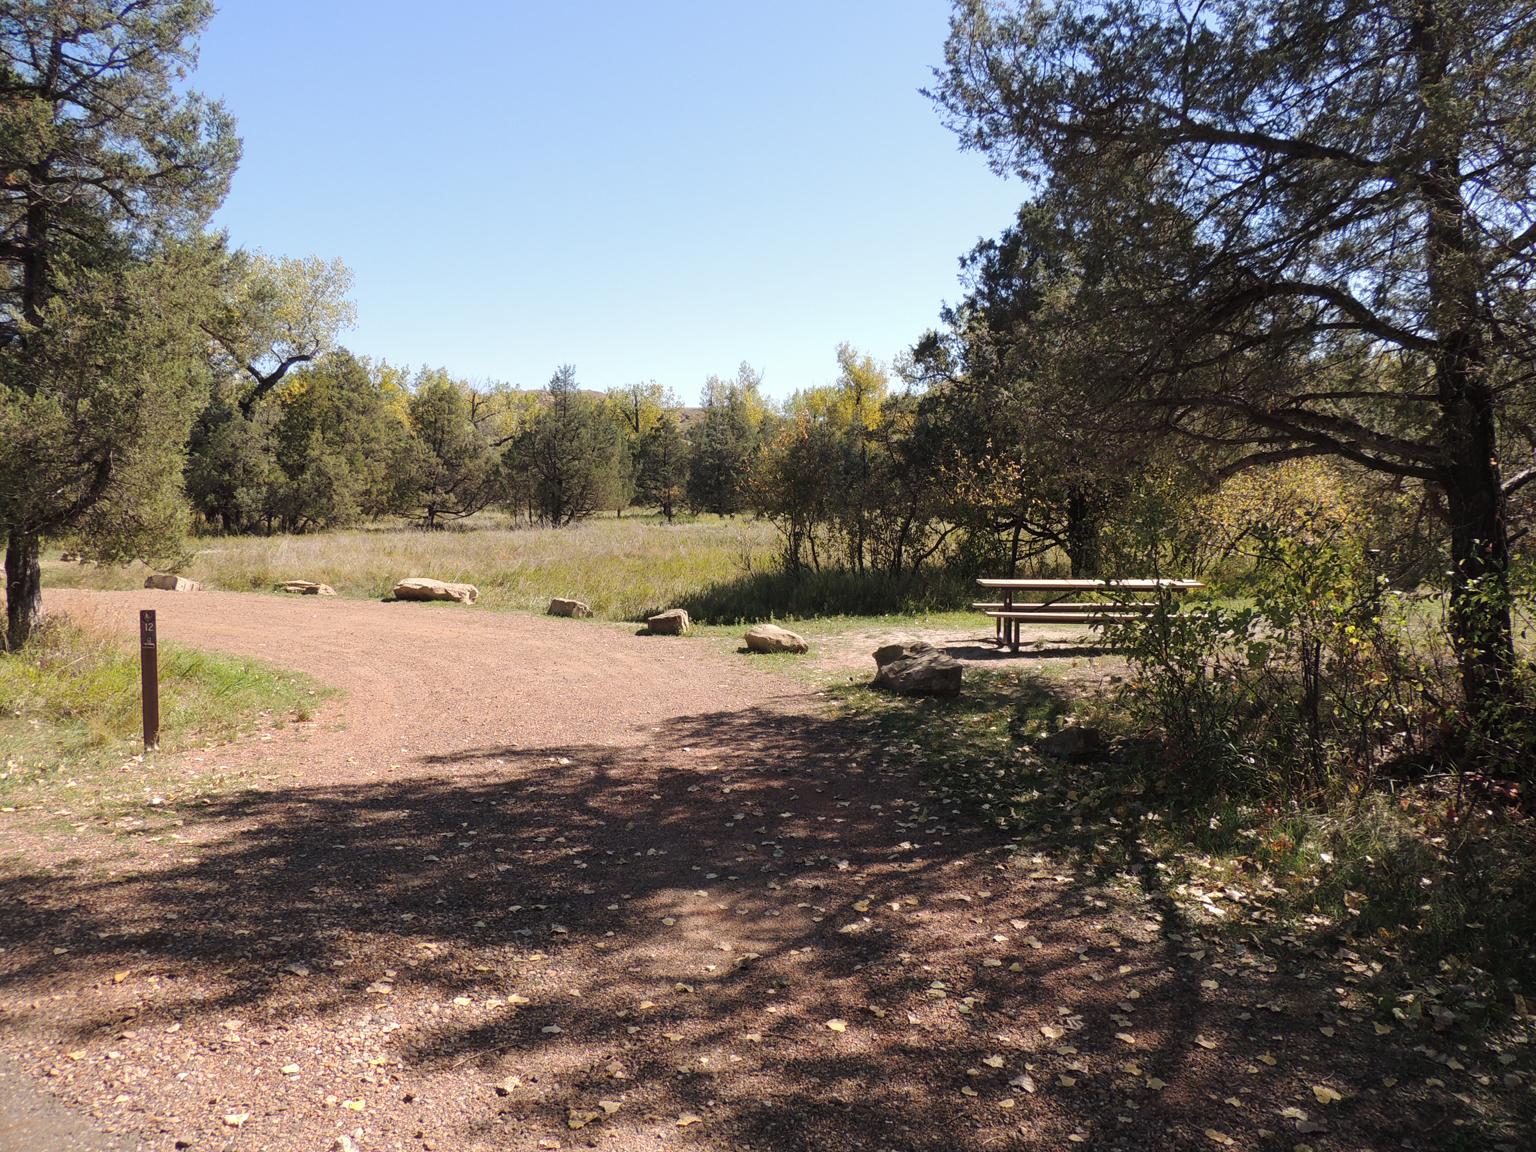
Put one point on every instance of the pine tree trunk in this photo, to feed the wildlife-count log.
(23, 590)
(1083, 524)
(1480, 611)
(1480, 620)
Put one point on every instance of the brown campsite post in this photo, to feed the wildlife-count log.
(149, 678)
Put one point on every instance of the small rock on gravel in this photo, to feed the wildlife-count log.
(772, 638)
(672, 622)
(423, 588)
(561, 606)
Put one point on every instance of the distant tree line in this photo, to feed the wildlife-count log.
(342, 439)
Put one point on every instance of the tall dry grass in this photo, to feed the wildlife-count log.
(623, 568)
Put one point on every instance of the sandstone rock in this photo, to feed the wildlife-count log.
(306, 588)
(167, 582)
(560, 606)
(917, 669)
(422, 588)
(1073, 742)
(772, 638)
(672, 622)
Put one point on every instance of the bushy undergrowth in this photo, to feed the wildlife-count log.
(1323, 679)
(72, 701)
(1428, 876)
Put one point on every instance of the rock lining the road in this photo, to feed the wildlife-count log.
(305, 588)
(425, 588)
(672, 622)
(769, 638)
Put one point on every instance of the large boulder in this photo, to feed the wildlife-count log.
(305, 588)
(421, 588)
(916, 668)
(560, 606)
(169, 582)
(772, 638)
(672, 622)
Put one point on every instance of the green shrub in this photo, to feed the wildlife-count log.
(1309, 689)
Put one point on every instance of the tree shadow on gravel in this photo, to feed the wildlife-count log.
(755, 919)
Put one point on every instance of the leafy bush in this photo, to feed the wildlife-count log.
(1308, 689)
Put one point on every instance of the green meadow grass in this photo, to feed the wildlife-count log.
(71, 703)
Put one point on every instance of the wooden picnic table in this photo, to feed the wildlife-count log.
(1058, 607)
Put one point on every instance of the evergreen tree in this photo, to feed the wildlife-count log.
(723, 443)
(1310, 192)
(571, 453)
(454, 471)
(661, 465)
(105, 160)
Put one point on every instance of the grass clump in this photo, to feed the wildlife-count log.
(72, 702)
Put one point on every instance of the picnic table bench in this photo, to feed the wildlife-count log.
(1116, 601)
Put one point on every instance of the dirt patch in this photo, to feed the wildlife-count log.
(431, 679)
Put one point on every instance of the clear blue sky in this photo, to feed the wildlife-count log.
(649, 190)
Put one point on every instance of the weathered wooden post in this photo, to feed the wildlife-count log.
(149, 678)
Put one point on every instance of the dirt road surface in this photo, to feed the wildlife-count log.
(537, 884)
